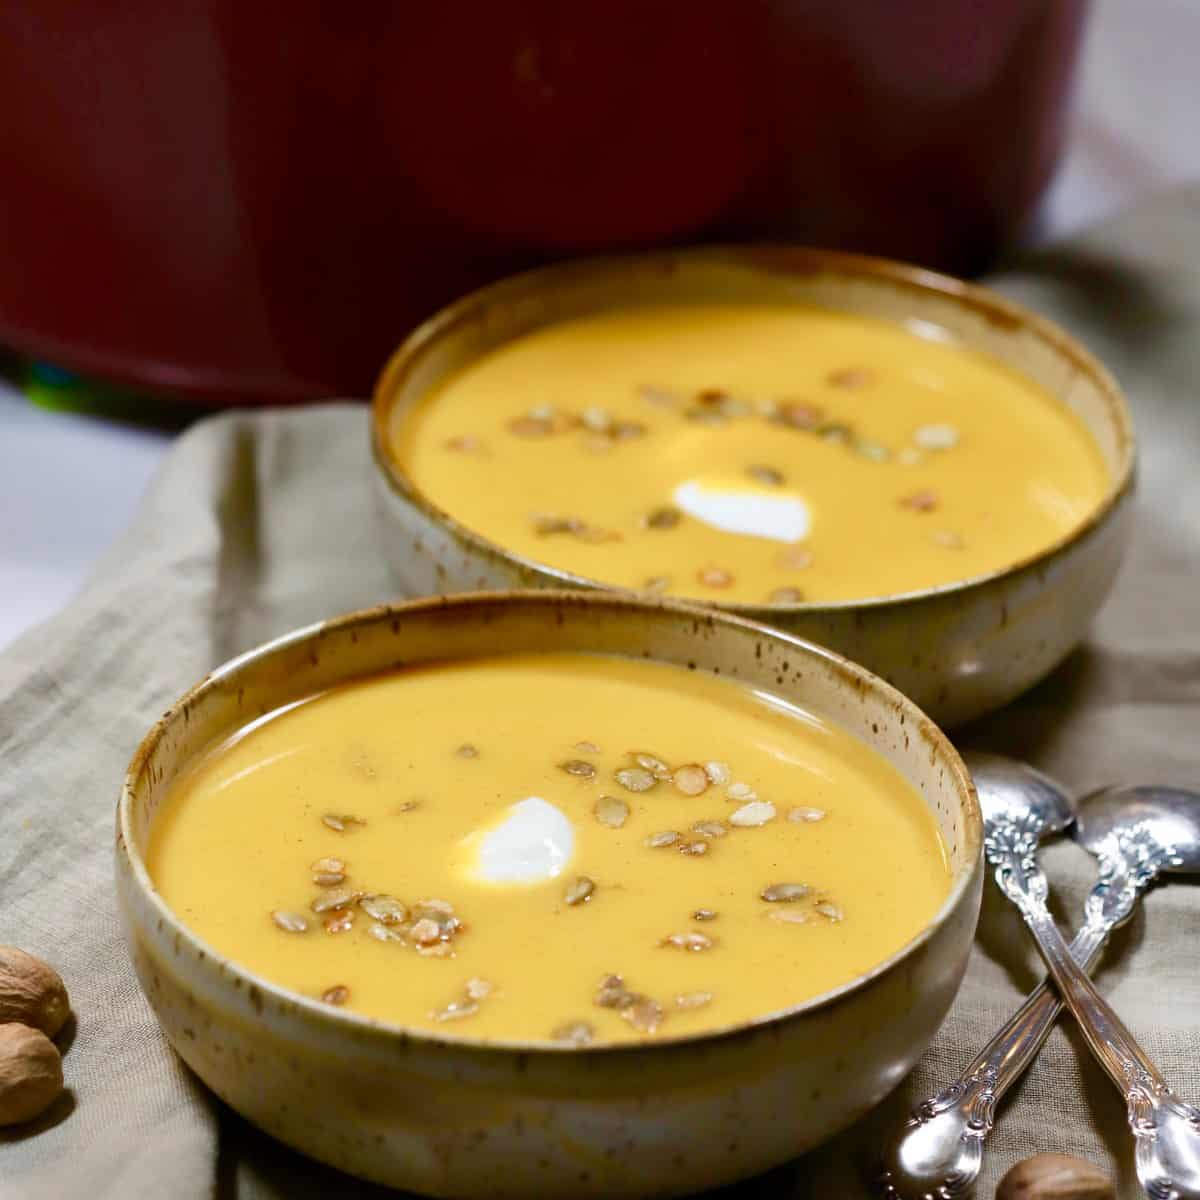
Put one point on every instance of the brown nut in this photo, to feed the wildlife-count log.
(31, 1074)
(1055, 1177)
(31, 992)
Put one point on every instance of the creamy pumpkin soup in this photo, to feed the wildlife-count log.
(752, 453)
(564, 847)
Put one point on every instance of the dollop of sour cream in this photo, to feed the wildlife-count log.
(534, 842)
(760, 512)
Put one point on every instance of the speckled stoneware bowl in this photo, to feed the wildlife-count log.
(958, 650)
(451, 1116)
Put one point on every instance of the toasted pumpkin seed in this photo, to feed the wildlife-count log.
(611, 992)
(666, 517)
(668, 837)
(334, 898)
(710, 829)
(785, 893)
(384, 933)
(644, 1014)
(579, 891)
(802, 815)
(587, 747)
(757, 812)
(322, 865)
(611, 811)
(289, 922)
(691, 941)
(328, 878)
(690, 780)
(573, 1033)
(578, 767)
(741, 791)
(704, 914)
(651, 763)
(694, 847)
(693, 999)
(336, 995)
(425, 932)
(830, 911)
(432, 904)
(385, 909)
(635, 779)
(717, 772)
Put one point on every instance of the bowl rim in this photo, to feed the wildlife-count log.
(767, 257)
(314, 1012)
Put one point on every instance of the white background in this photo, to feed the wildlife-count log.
(69, 484)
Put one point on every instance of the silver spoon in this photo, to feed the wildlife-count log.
(938, 1154)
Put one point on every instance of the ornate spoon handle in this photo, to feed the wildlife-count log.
(1166, 1131)
(939, 1152)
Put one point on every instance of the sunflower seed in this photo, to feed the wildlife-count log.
(587, 747)
(656, 583)
(336, 995)
(574, 1033)
(786, 595)
(334, 898)
(830, 911)
(579, 891)
(690, 780)
(611, 992)
(425, 932)
(383, 933)
(741, 791)
(611, 811)
(710, 829)
(801, 815)
(704, 914)
(785, 893)
(765, 475)
(662, 518)
(579, 768)
(795, 558)
(635, 779)
(340, 921)
(659, 397)
(478, 989)
(456, 1010)
(922, 501)
(331, 865)
(693, 847)
(757, 812)
(328, 878)
(530, 426)
(289, 922)
(656, 841)
(651, 763)
(947, 538)
(385, 909)
(692, 942)
(717, 772)
(850, 377)
(693, 999)
(714, 577)
(644, 1014)
(936, 437)
(789, 916)
(466, 750)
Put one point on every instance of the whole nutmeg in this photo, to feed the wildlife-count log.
(1055, 1177)
(31, 992)
(31, 1074)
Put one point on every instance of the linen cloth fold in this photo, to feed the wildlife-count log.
(260, 522)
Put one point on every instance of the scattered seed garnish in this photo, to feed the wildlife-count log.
(795, 558)
(478, 989)
(289, 922)
(657, 583)
(657, 396)
(579, 768)
(611, 811)
(334, 898)
(644, 1014)
(711, 829)
(789, 916)
(850, 377)
(466, 750)
(765, 475)
(579, 891)
(922, 501)
(652, 763)
(691, 779)
(336, 995)
(339, 823)
(323, 865)
(936, 437)
(757, 812)
(797, 416)
(385, 909)
(741, 791)
(785, 893)
(465, 443)
(456, 1010)
(587, 747)
(717, 772)
(704, 914)
(530, 426)
(635, 779)
(385, 934)
(714, 577)
(872, 450)
(433, 905)
(574, 1033)
(786, 595)
(339, 921)
(830, 911)
(691, 941)
(668, 837)
(693, 847)
(802, 815)
(328, 878)
(947, 538)
(693, 999)
(611, 992)
(662, 518)
(425, 932)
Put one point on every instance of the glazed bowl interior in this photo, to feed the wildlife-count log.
(307, 1057)
(926, 303)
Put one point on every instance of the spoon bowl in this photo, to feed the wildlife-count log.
(1164, 820)
(1012, 791)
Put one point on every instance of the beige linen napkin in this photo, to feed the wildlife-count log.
(262, 522)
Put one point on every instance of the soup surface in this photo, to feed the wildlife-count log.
(752, 453)
(551, 847)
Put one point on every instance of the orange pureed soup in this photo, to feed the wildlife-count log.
(559, 847)
(754, 453)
